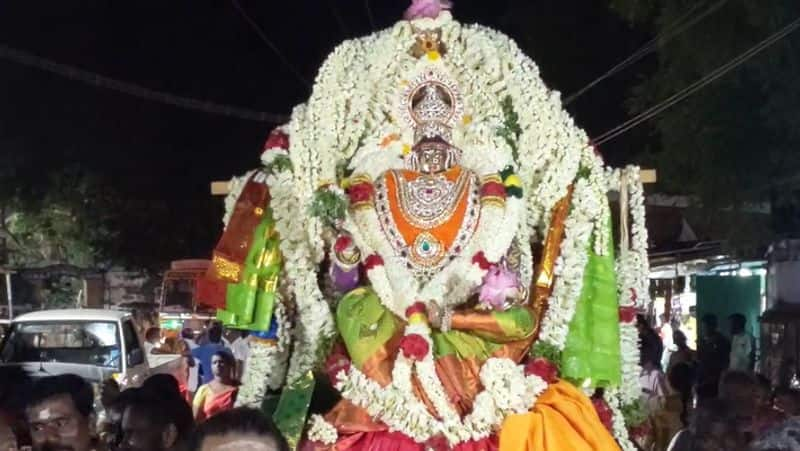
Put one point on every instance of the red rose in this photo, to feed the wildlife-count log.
(372, 261)
(361, 192)
(627, 314)
(277, 139)
(342, 243)
(604, 412)
(437, 443)
(417, 307)
(542, 368)
(414, 346)
(481, 261)
(493, 189)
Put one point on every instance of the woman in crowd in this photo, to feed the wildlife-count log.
(218, 395)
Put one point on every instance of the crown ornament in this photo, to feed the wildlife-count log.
(431, 105)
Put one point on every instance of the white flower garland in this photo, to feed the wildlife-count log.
(571, 264)
(395, 284)
(266, 366)
(314, 321)
(321, 431)
(632, 277)
(507, 391)
(620, 430)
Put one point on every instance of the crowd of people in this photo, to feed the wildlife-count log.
(712, 398)
(194, 411)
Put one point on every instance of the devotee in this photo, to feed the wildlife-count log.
(785, 437)
(742, 346)
(220, 393)
(683, 353)
(14, 391)
(153, 423)
(110, 431)
(713, 351)
(193, 381)
(241, 351)
(163, 386)
(203, 353)
(713, 428)
(650, 346)
(59, 414)
(238, 429)
(653, 384)
(151, 338)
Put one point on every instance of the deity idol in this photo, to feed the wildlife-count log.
(432, 232)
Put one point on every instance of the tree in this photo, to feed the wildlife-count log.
(732, 145)
(61, 220)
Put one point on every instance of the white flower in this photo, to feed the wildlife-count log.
(321, 431)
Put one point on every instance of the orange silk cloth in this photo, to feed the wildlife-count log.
(213, 404)
(563, 419)
(231, 250)
(445, 233)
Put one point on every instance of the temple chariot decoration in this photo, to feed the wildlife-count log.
(432, 232)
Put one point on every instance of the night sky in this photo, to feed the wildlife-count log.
(203, 49)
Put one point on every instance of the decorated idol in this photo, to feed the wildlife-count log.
(432, 232)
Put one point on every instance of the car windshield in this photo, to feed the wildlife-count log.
(82, 342)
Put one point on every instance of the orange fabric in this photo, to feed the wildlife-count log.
(460, 380)
(216, 403)
(445, 233)
(379, 366)
(545, 274)
(563, 419)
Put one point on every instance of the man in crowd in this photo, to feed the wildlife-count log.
(193, 381)
(153, 422)
(742, 348)
(203, 353)
(241, 352)
(59, 414)
(713, 352)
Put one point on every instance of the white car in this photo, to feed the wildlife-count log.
(92, 343)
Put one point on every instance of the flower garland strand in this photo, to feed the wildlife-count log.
(571, 264)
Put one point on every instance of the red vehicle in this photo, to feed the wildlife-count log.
(188, 298)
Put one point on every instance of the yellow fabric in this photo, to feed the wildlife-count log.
(563, 419)
(200, 398)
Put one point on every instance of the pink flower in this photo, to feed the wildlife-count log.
(542, 368)
(414, 346)
(426, 8)
(499, 284)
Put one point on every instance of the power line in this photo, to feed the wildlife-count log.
(95, 79)
(369, 15)
(696, 86)
(257, 29)
(674, 29)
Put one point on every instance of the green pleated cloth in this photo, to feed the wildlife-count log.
(591, 354)
(249, 304)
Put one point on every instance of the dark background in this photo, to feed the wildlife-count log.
(157, 154)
